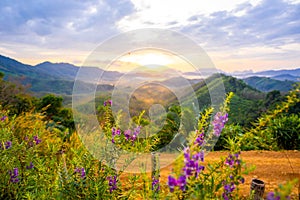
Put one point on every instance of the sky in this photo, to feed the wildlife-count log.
(237, 35)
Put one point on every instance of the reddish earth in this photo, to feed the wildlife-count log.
(273, 168)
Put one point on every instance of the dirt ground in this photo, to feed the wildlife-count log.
(273, 168)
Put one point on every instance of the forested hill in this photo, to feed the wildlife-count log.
(50, 77)
(268, 84)
(247, 103)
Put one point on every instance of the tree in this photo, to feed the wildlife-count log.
(51, 105)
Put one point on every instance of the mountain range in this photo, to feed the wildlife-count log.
(59, 78)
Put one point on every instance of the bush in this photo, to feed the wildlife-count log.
(286, 131)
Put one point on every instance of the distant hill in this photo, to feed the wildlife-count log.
(293, 72)
(286, 77)
(268, 84)
(284, 74)
(246, 99)
(13, 68)
(56, 78)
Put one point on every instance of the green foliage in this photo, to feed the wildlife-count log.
(285, 130)
(170, 128)
(55, 158)
(273, 129)
(51, 106)
(246, 104)
(13, 96)
(269, 84)
(229, 131)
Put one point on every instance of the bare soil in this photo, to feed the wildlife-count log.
(272, 167)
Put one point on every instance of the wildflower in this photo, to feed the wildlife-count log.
(271, 196)
(31, 166)
(127, 134)
(8, 144)
(30, 144)
(112, 183)
(80, 171)
(192, 165)
(83, 173)
(231, 160)
(155, 184)
(3, 118)
(199, 156)
(14, 175)
(37, 140)
(181, 182)
(200, 139)
(172, 182)
(228, 189)
(106, 103)
(219, 122)
(137, 130)
(114, 132)
(242, 180)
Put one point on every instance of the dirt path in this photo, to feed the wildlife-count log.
(273, 168)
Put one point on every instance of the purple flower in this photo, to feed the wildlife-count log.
(80, 171)
(114, 132)
(181, 182)
(37, 140)
(219, 122)
(30, 144)
(186, 154)
(200, 139)
(231, 160)
(242, 180)
(31, 166)
(8, 144)
(14, 175)
(77, 170)
(271, 196)
(192, 165)
(83, 173)
(199, 156)
(172, 183)
(137, 130)
(112, 183)
(3, 118)
(228, 189)
(155, 185)
(225, 197)
(109, 102)
(127, 134)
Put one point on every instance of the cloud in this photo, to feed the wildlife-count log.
(54, 23)
(237, 31)
(272, 22)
